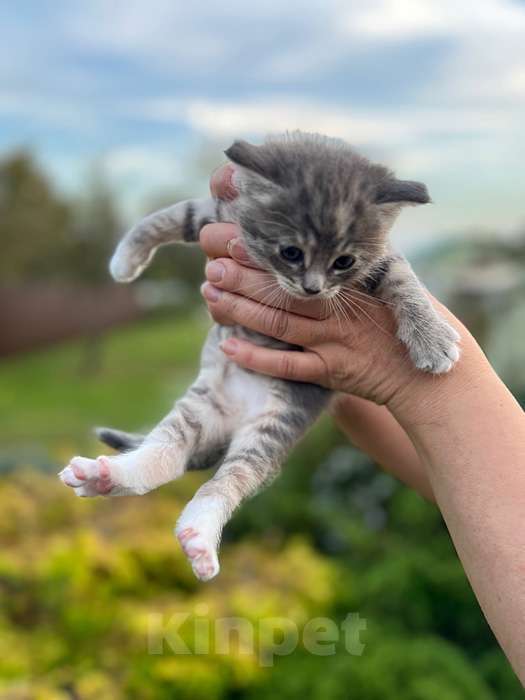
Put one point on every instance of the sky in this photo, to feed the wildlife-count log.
(433, 88)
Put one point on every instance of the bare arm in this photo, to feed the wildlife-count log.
(465, 427)
(375, 431)
(470, 435)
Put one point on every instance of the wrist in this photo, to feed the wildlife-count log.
(426, 401)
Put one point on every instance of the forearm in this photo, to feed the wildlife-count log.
(470, 435)
(375, 431)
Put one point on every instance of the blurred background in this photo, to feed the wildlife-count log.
(109, 110)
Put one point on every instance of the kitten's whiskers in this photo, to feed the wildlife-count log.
(346, 298)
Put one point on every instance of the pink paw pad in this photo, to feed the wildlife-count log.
(186, 535)
(104, 472)
(67, 480)
(89, 477)
(103, 484)
(201, 554)
(205, 568)
(78, 472)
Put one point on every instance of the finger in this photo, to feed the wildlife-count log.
(261, 286)
(221, 185)
(213, 238)
(226, 307)
(285, 364)
(223, 239)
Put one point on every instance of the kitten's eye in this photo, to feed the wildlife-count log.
(344, 262)
(292, 254)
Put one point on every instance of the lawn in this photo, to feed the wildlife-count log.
(81, 580)
(126, 378)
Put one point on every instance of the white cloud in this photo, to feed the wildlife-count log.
(397, 19)
(108, 71)
(515, 81)
(128, 162)
(170, 36)
(262, 115)
(485, 61)
(410, 19)
(139, 174)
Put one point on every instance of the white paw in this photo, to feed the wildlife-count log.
(129, 261)
(201, 553)
(124, 268)
(94, 477)
(438, 351)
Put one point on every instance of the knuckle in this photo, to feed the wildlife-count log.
(324, 314)
(286, 366)
(220, 317)
(248, 357)
(338, 374)
(312, 335)
(215, 313)
(278, 325)
(234, 274)
(230, 307)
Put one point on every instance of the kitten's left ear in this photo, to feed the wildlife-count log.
(254, 158)
(402, 192)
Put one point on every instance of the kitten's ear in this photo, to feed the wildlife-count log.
(254, 158)
(402, 192)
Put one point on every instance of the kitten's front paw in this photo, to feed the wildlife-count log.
(94, 477)
(201, 553)
(436, 350)
(125, 267)
(129, 261)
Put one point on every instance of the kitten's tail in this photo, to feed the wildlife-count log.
(118, 439)
(179, 223)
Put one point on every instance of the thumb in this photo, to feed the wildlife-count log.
(221, 185)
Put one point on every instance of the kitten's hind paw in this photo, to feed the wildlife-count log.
(437, 350)
(93, 477)
(201, 553)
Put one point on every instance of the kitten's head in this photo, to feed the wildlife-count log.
(314, 212)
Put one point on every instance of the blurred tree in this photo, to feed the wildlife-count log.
(185, 263)
(46, 237)
(34, 220)
(181, 263)
(95, 228)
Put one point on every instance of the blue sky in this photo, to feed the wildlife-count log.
(435, 88)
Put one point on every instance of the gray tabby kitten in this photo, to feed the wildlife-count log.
(316, 214)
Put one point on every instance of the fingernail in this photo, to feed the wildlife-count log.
(210, 292)
(237, 250)
(215, 271)
(229, 346)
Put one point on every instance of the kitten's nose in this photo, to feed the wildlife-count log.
(311, 289)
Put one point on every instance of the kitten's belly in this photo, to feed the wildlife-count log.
(249, 392)
(245, 394)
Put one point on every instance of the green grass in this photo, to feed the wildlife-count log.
(80, 577)
(128, 379)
